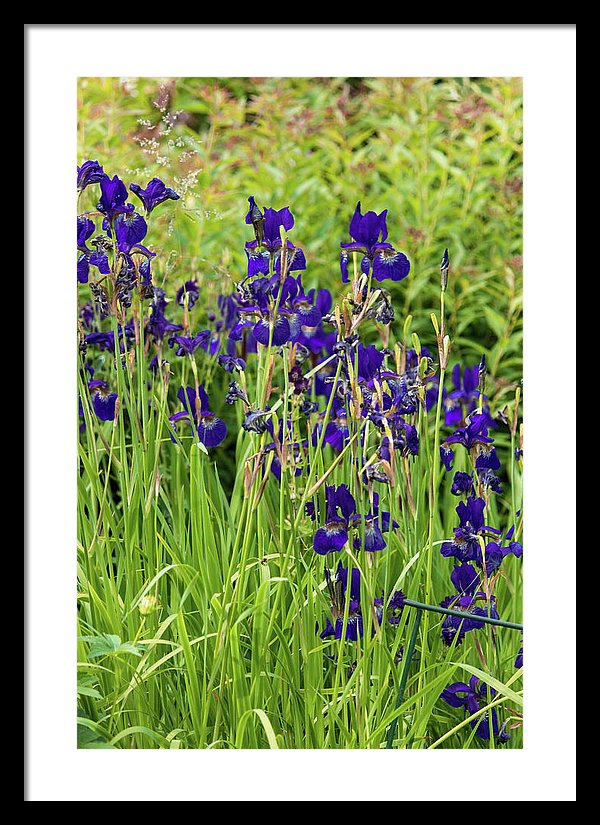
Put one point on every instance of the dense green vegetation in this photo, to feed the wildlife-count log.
(199, 588)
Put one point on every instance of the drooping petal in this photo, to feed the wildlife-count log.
(130, 229)
(258, 260)
(100, 260)
(104, 404)
(330, 538)
(344, 500)
(281, 331)
(83, 268)
(306, 315)
(465, 579)
(390, 265)
(447, 456)
(456, 694)
(85, 229)
(374, 540)
(337, 434)
(211, 430)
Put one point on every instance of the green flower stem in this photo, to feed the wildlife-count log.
(407, 656)
(435, 462)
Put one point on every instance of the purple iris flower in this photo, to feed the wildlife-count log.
(295, 310)
(464, 397)
(157, 365)
(405, 396)
(83, 269)
(228, 307)
(475, 432)
(495, 554)
(336, 429)
(462, 484)
(489, 481)
(157, 325)
(405, 439)
(465, 546)
(231, 363)
(187, 345)
(261, 253)
(112, 199)
(314, 337)
(89, 172)
(106, 340)
(369, 361)
(375, 525)
(85, 229)
(369, 233)
(487, 459)
(275, 329)
(341, 590)
(155, 193)
(453, 626)
(258, 298)
(259, 260)
(211, 430)
(88, 257)
(486, 464)
(519, 656)
(297, 380)
(103, 400)
(341, 507)
(342, 587)
(472, 697)
(130, 229)
(304, 312)
(189, 289)
(258, 421)
(514, 546)
(465, 578)
(447, 456)
(103, 340)
(87, 314)
(396, 605)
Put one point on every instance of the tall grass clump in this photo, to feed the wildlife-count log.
(299, 487)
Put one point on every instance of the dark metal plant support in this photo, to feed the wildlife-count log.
(408, 653)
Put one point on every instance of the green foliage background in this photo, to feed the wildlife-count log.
(442, 155)
(240, 666)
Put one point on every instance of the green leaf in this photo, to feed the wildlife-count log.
(85, 682)
(492, 682)
(108, 644)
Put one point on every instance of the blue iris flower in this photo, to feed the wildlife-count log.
(369, 233)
